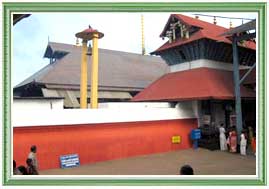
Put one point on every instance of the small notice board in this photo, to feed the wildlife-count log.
(176, 139)
(68, 161)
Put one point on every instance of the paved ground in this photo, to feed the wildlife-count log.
(203, 161)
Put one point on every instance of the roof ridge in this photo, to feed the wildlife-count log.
(198, 20)
(102, 49)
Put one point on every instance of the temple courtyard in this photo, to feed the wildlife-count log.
(203, 161)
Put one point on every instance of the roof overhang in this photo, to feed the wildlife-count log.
(189, 85)
(18, 17)
(241, 29)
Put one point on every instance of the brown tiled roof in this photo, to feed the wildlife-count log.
(194, 84)
(116, 69)
(207, 31)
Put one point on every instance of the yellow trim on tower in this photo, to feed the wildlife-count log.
(94, 74)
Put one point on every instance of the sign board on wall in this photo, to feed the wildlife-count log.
(176, 139)
(68, 161)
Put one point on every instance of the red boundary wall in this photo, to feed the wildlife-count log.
(100, 142)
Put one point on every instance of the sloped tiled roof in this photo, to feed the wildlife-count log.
(194, 84)
(206, 30)
(116, 69)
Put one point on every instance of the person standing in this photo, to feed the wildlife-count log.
(243, 143)
(16, 171)
(32, 155)
(31, 170)
(253, 144)
(222, 138)
(232, 140)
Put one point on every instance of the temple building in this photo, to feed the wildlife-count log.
(194, 87)
(122, 75)
(200, 59)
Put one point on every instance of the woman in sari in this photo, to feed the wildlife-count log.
(232, 141)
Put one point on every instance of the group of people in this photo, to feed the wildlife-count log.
(230, 143)
(31, 164)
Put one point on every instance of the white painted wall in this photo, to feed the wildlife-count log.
(37, 104)
(131, 105)
(203, 63)
(188, 108)
(102, 115)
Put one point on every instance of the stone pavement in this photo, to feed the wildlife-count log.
(203, 161)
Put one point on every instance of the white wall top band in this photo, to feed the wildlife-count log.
(203, 63)
(91, 116)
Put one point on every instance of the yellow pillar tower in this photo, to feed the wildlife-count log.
(94, 78)
(86, 35)
(83, 76)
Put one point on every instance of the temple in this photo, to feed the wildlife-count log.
(154, 103)
(200, 59)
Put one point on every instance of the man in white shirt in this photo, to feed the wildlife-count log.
(243, 143)
(222, 138)
(32, 155)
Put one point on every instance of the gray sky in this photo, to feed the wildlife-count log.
(122, 32)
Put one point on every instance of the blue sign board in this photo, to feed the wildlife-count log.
(195, 134)
(68, 161)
